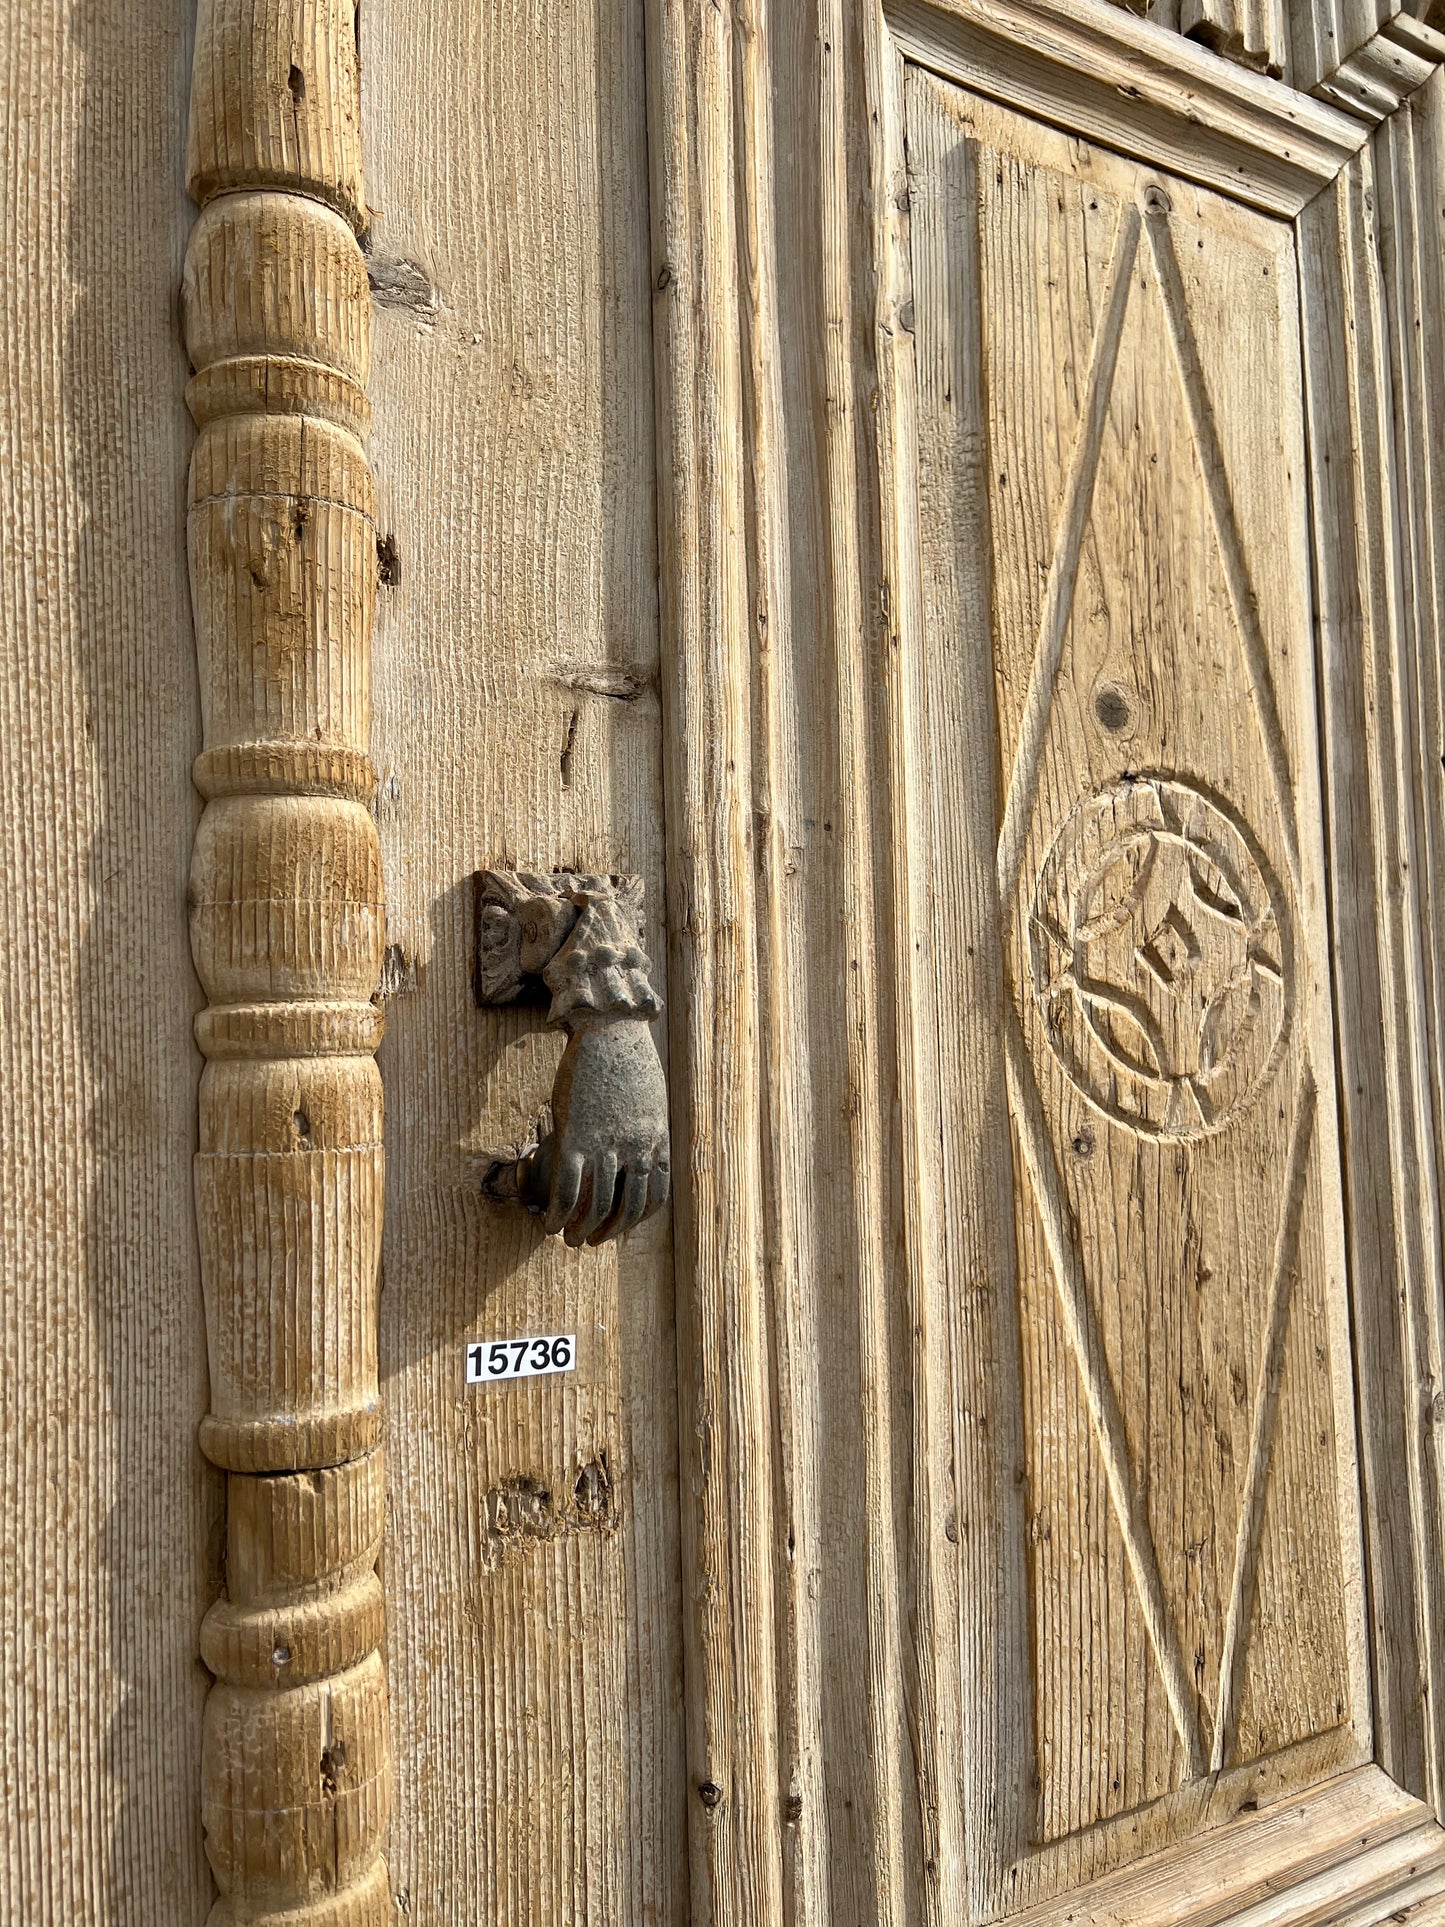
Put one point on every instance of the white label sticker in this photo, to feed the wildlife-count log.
(504, 1358)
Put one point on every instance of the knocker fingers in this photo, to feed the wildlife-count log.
(596, 1205)
(566, 1189)
(634, 1203)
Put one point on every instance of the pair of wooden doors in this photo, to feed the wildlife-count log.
(1049, 703)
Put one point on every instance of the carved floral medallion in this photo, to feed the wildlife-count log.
(1161, 959)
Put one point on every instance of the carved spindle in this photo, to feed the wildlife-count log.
(287, 927)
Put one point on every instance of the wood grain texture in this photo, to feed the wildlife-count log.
(287, 931)
(1356, 1850)
(1379, 76)
(109, 1518)
(1372, 277)
(1094, 68)
(729, 1536)
(1300, 41)
(1185, 1369)
(532, 1564)
(1324, 34)
(1255, 33)
(865, 1536)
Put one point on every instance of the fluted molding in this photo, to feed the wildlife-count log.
(287, 929)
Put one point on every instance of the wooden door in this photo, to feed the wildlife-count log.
(1119, 748)
(1091, 573)
(949, 494)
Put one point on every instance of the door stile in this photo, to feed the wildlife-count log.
(724, 1366)
(790, 1231)
(945, 771)
(1370, 275)
(963, 1692)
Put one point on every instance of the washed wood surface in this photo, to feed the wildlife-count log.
(532, 1574)
(287, 931)
(1303, 42)
(107, 1510)
(1103, 74)
(1179, 1284)
(886, 475)
(1376, 386)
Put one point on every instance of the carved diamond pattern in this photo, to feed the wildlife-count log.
(1169, 960)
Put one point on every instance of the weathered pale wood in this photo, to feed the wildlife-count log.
(956, 1715)
(959, 994)
(1375, 79)
(532, 1560)
(795, 1231)
(108, 1515)
(1187, 1408)
(287, 931)
(873, 1820)
(1324, 34)
(1302, 41)
(1249, 31)
(724, 1406)
(1356, 1849)
(1372, 281)
(1091, 67)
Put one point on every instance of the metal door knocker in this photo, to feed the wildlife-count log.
(604, 1166)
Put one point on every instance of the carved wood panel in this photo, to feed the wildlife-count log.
(1122, 757)
(1301, 41)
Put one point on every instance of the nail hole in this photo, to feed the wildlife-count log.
(388, 561)
(710, 1793)
(302, 1123)
(1083, 1145)
(281, 1656)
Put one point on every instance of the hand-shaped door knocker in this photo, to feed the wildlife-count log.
(604, 1166)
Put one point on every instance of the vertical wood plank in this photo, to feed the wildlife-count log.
(532, 1568)
(1371, 270)
(725, 1406)
(107, 1511)
(956, 769)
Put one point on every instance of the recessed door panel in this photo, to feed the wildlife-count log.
(1108, 385)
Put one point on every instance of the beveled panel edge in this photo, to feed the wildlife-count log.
(1128, 84)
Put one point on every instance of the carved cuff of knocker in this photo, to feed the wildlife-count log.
(604, 1166)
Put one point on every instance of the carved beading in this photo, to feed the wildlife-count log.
(287, 930)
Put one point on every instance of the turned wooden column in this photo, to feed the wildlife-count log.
(287, 927)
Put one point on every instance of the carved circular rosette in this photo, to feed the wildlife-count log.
(1161, 958)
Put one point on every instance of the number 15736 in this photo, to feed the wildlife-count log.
(520, 1358)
